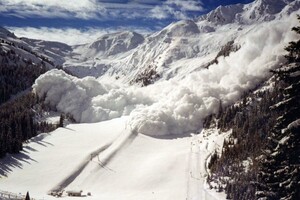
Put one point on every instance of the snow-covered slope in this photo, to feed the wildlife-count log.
(37, 51)
(112, 163)
(252, 13)
(88, 59)
(176, 105)
(178, 49)
(112, 44)
(185, 60)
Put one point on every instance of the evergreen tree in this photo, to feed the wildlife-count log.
(61, 121)
(279, 176)
(27, 196)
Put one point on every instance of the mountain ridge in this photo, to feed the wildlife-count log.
(125, 55)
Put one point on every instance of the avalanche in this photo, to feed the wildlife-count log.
(136, 142)
(177, 105)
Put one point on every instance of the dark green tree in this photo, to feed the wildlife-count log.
(279, 176)
(61, 121)
(27, 196)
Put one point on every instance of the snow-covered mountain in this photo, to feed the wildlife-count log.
(112, 44)
(226, 54)
(129, 56)
(144, 142)
(37, 51)
(167, 52)
(182, 60)
(257, 11)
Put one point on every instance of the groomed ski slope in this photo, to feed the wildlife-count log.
(111, 161)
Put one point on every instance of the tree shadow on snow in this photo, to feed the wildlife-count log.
(175, 136)
(39, 139)
(12, 161)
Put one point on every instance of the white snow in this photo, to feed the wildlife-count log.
(111, 161)
(50, 158)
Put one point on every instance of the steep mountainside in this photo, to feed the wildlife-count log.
(37, 51)
(230, 57)
(22, 61)
(179, 48)
(258, 11)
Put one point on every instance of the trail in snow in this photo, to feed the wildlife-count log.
(99, 160)
(57, 157)
(202, 146)
(143, 168)
(196, 174)
(71, 177)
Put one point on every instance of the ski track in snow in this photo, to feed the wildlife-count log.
(198, 171)
(202, 146)
(99, 160)
(70, 178)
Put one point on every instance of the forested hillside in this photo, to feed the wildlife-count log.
(261, 159)
(18, 123)
(279, 173)
(16, 74)
(18, 106)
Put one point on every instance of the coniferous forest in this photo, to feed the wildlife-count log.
(18, 106)
(261, 159)
(18, 124)
(279, 172)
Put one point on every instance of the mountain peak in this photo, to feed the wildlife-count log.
(117, 42)
(223, 14)
(6, 33)
(179, 29)
(264, 10)
(259, 10)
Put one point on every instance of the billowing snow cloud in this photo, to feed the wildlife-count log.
(183, 107)
(178, 105)
(86, 99)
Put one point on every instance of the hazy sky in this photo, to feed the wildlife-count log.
(99, 16)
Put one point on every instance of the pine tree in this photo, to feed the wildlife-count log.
(279, 176)
(61, 121)
(27, 196)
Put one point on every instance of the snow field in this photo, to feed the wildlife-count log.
(48, 159)
(114, 163)
(149, 168)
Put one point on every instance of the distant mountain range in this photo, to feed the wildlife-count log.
(176, 50)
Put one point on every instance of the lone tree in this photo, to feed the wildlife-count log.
(279, 176)
(61, 121)
(27, 196)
